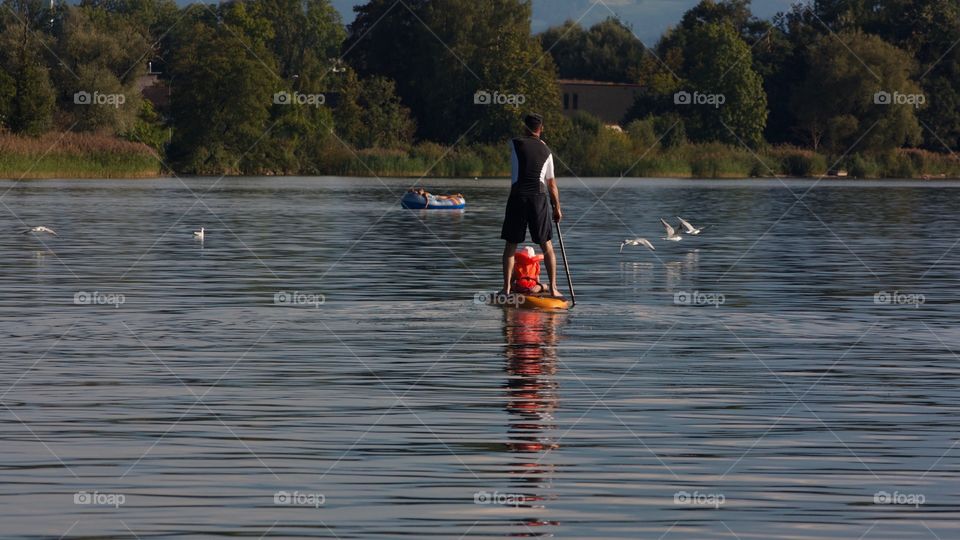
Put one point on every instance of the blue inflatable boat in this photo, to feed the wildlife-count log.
(415, 201)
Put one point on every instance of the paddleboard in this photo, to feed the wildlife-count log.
(529, 302)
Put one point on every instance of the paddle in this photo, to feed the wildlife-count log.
(566, 267)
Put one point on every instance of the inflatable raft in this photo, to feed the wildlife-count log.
(415, 201)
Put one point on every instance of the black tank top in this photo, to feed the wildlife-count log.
(531, 166)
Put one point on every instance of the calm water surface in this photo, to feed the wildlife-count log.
(785, 375)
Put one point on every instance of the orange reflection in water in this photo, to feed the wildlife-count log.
(532, 400)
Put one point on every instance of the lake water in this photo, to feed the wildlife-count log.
(791, 373)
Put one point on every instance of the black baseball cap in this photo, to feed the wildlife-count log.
(533, 121)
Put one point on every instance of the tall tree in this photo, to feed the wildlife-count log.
(608, 51)
(846, 102)
(369, 114)
(718, 62)
(442, 53)
(222, 90)
(22, 40)
(100, 54)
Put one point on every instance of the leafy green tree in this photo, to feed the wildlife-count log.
(155, 16)
(841, 103)
(441, 53)
(148, 129)
(306, 36)
(718, 62)
(927, 30)
(930, 30)
(100, 56)
(8, 89)
(221, 94)
(246, 99)
(608, 51)
(22, 42)
(369, 114)
(33, 104)
(706, 58)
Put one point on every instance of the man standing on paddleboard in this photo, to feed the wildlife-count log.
(532, 177)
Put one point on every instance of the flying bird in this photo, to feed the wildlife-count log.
(688, 228)
(198, 234)
(637, 242)
(41, 229)
(672, 234)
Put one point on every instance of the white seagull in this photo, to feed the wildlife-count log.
(672, 234)
(198, 234)
(637, 242)
(41, 229)
(688, 228)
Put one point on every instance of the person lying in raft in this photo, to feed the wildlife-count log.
(526, 272)
(427, 195)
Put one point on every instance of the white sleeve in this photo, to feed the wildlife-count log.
(514, 164)
(548, 170)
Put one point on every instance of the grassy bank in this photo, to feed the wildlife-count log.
(685, 161)
(723, 161)
(75, 155)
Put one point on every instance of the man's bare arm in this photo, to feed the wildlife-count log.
(555, 199)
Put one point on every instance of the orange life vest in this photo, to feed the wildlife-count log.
(526, 270)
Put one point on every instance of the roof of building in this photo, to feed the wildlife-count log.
(585, 82)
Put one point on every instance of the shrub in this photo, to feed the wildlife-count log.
(643, 135)
(797, 162)
(859, 166)
(896, 165)
(670, 130)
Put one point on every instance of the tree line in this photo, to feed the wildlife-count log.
(283, 86)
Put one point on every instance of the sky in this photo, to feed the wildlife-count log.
(648, 18)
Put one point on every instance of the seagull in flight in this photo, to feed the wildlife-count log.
(672, 234)
(41, 229)
(637, 242)
(688, 228)
(198, 234)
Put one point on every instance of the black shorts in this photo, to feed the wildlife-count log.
(527, 211)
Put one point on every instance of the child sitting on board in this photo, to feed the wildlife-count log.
(526, 271)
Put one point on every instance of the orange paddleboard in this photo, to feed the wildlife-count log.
(529, 302)
(544, 302)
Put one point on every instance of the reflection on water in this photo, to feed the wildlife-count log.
(802, 399)
(532, 400)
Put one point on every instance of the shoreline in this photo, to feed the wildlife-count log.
(142, 176)
(68, 155)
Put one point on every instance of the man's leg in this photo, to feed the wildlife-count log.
(551, 259)
(509, 250)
